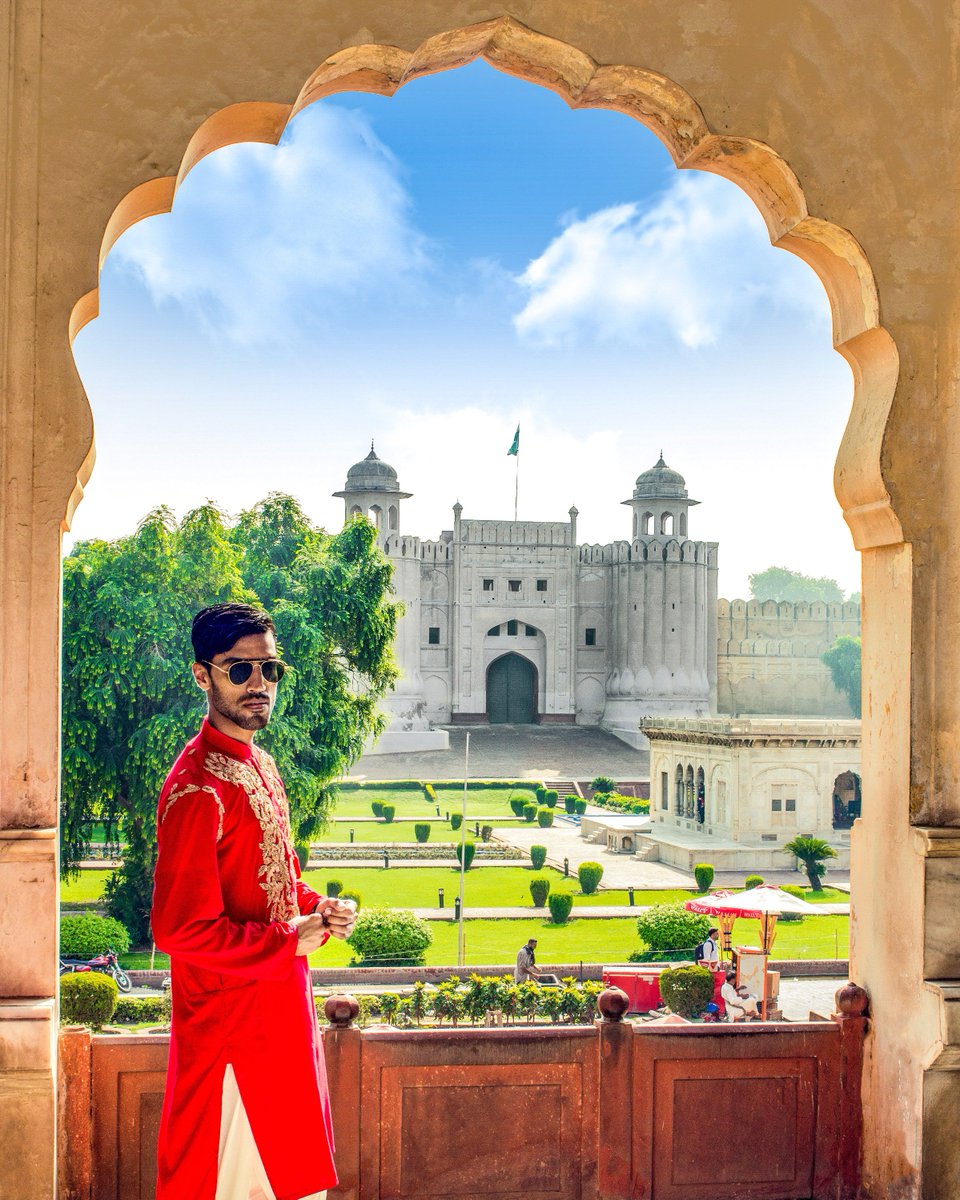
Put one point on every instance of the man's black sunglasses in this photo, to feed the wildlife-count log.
(271, 669)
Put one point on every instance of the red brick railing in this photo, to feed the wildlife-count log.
(613, 1111)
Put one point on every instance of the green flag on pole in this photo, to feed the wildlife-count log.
(515, 444)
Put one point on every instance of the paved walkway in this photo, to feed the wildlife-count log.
(515, 752)
(580, 911)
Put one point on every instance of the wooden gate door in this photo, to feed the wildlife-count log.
(512, 691)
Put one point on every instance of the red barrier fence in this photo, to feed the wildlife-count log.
(613, 1111)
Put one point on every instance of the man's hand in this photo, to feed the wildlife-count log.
(341, 916)
(311, 931)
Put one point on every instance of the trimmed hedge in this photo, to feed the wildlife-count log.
(544, 817)
(687, 990)
(390, 937)
(753, 881)
(354, 895)
(469, 849)
(377, 807)
(132, 1010)
(539, 890)
(421, 831)
(589, 874)
(550, 797)
(89, 998)
(85, 935)
(703, 873)
(540, 793)
(538, 856)
(389, 812)
(530, 812)
(486, 833)
(560, 905)
(580, 806)
(670, 932)
(334, 887)
(569, 803)
(456, 820)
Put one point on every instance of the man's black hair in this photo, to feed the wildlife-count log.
(217, 628)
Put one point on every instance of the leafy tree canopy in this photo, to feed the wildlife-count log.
(780, 583)
(129, 699)
(843, 660)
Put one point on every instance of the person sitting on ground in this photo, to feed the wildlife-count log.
(738, 1002)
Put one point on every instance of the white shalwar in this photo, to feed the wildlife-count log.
(240, 1173)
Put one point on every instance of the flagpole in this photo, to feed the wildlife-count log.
(516, 485)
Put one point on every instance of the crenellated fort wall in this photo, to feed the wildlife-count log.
(768, 657)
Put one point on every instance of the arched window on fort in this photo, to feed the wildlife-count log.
(646, 523)
(356, 511)
(683, 524)
(689, 806)
(636, 524)
(701, 796)
(846, 799)
(376, 515)
(392, 517)
(666, 523)
(679, 790)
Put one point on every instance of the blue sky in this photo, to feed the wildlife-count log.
(433, 268)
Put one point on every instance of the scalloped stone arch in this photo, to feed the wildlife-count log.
(674, 116)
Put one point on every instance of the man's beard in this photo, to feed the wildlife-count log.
(234, 711)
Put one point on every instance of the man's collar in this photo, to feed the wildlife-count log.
(226, 745)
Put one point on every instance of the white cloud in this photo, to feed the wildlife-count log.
(691, 266)
(262, 236)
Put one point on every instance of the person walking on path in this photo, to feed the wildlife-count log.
(246, 1114)
(706, 953)
(526, 968)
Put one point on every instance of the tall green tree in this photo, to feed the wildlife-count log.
(129, 700)
(780, 583)
(843, 660)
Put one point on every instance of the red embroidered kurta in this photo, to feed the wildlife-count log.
(227, 883)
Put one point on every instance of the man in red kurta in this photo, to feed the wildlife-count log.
(246, 1113)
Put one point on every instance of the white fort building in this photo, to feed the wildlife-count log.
(516, 622)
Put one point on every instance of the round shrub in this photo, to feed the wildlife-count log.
(580, 807)
(538, 856)
(569, 803)
(703, 873)
(389, 812)
(560, 905)
(753, 881)
(530, 812)
(468, 848)
(377, 806)
(517, 804)
(390, 937)
(541, 794)
(544, 817)
(550, 798)
(334, 887)
(670, 932)
(354, 895)
(539, 890)
(456, 820)
(686, 990)
(85, 935)
(486, 833)
(589, 874)
(421, 831)
(88, 999)
(132, 1010)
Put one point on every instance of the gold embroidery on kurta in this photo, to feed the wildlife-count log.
(276, 875)
(194, 787)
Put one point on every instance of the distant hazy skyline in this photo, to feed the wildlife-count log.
(429, 270)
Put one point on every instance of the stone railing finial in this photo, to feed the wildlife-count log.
(852, 1001)
(341, 1011)
(613, 1003)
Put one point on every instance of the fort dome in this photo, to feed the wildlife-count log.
(372, 474)
(661, 480)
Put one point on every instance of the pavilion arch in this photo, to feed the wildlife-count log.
(61, 433)
(674, 116)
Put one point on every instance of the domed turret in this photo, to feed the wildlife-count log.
(660, 502)
(372, 490)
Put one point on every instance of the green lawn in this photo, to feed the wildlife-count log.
(587, 941)
(412, 804)
(402, 831)
(416, 887)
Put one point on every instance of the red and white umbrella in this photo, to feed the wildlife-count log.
(764, 903)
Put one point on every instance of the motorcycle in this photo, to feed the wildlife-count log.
(106, 964)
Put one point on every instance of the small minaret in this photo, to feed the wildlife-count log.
(660, 503)
(372, 491)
